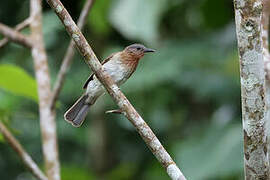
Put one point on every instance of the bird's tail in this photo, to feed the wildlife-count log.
(77, 113)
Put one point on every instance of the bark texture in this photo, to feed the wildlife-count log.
(265, 37)
(248, 14)
(47, 116)
(128, 110)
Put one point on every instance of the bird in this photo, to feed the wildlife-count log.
(120, 66)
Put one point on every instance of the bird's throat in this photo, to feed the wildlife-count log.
(130, 61)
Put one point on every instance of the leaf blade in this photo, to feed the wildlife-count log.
(17, 81)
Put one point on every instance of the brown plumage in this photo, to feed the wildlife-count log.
(120, 66)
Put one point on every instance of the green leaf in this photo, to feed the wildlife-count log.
(16, 80)
(138, 19)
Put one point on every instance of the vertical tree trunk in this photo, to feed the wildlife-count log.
(248, 14)
(265, 37)
(47, 116)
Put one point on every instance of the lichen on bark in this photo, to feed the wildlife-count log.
(248, 15)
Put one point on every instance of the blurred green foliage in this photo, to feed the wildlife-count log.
(188, 91)
(134, 24)
(99, 17)
(15, 80)
(69, 172)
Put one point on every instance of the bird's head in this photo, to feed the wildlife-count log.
(137, 51)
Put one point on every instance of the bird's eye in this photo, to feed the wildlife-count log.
(138, 48)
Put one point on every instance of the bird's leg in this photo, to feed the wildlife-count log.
(116, 111)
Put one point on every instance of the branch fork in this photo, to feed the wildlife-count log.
(15, 36)
(18, 28)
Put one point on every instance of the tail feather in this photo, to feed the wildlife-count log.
(77, 113)
(81, 116)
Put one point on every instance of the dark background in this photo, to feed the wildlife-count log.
(188, 91)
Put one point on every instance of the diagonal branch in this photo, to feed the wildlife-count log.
(47, 116)
(25, 157)
(69, 55)
(19, 27)
(144, 130)
(15, 36)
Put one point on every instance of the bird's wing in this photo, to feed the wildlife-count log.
(90, 78)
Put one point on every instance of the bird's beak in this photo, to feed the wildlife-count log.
(147, 50)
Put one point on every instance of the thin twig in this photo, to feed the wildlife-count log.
(25, 157)
(144, 130)
(251, 57)
(18, 27)
(69, 55)
(15, 36)
(47, 116)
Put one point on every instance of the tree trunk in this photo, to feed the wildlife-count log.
(47, 116)
(248, 16)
